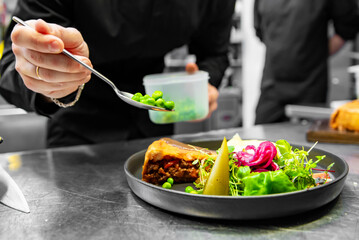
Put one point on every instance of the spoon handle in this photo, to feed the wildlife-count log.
(70, 55)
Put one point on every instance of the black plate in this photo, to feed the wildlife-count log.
(239, 208)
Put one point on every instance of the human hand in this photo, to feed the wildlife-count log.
(212, 99)
(191, 68)
(212, 102)
(57, 75)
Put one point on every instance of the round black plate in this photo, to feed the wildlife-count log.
(239, 208)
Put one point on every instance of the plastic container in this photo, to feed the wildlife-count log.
(188, 91)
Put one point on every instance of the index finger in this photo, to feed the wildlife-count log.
(71, 37)
(29, 38)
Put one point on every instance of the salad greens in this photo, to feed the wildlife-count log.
(267, 183)
(296, 165)
(266, 169)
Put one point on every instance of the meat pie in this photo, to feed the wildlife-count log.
(169, 158)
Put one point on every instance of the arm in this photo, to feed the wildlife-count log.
(345, 16)
(211, 42)
(210, 45)
(39, 48)
(25, 49)
(335, 44)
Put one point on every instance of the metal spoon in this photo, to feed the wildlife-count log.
(125, 96)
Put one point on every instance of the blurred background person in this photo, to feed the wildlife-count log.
(296, 36)
(124, 40)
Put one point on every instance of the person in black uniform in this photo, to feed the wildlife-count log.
(124, 40)
(295, 33)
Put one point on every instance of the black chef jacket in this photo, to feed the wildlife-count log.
(295, 33)
(127, 40)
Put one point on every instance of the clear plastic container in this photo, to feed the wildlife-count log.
(188, 91)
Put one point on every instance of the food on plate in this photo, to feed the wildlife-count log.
(321, 178)
(218, 180)
(168, 158)
(346, 117)
(189, 189)
(239, 144)
(154, 100)
(170, 180)
(241, 167)
(168, 184)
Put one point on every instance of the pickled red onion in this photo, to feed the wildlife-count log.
(260, 159)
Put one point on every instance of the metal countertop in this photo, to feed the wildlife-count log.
(81, 192)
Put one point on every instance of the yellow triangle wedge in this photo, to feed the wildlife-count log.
(218, 180)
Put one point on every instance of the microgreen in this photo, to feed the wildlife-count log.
(295, 172)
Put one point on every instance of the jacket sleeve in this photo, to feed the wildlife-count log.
(211, 43)
(12, 87)
(345, 16)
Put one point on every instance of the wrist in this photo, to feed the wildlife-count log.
(46, 106)
(69, 100)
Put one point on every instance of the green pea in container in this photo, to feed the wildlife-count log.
(189, 92)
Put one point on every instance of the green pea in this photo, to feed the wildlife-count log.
(138, 94)
(167, 185)
(160, 103)
(189, 189)
(169, 105)
(150, 101)
(142, 100)
(146, 96)
(170, 180)
(136, 98)
(157, 94)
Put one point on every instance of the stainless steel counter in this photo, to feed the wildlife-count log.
(81, 193)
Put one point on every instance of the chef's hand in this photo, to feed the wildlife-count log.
(212, 99)
(191, 68)
(57, 75)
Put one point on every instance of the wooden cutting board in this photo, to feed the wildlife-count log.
(321, 132)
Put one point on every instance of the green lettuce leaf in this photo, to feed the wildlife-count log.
(267, 183)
